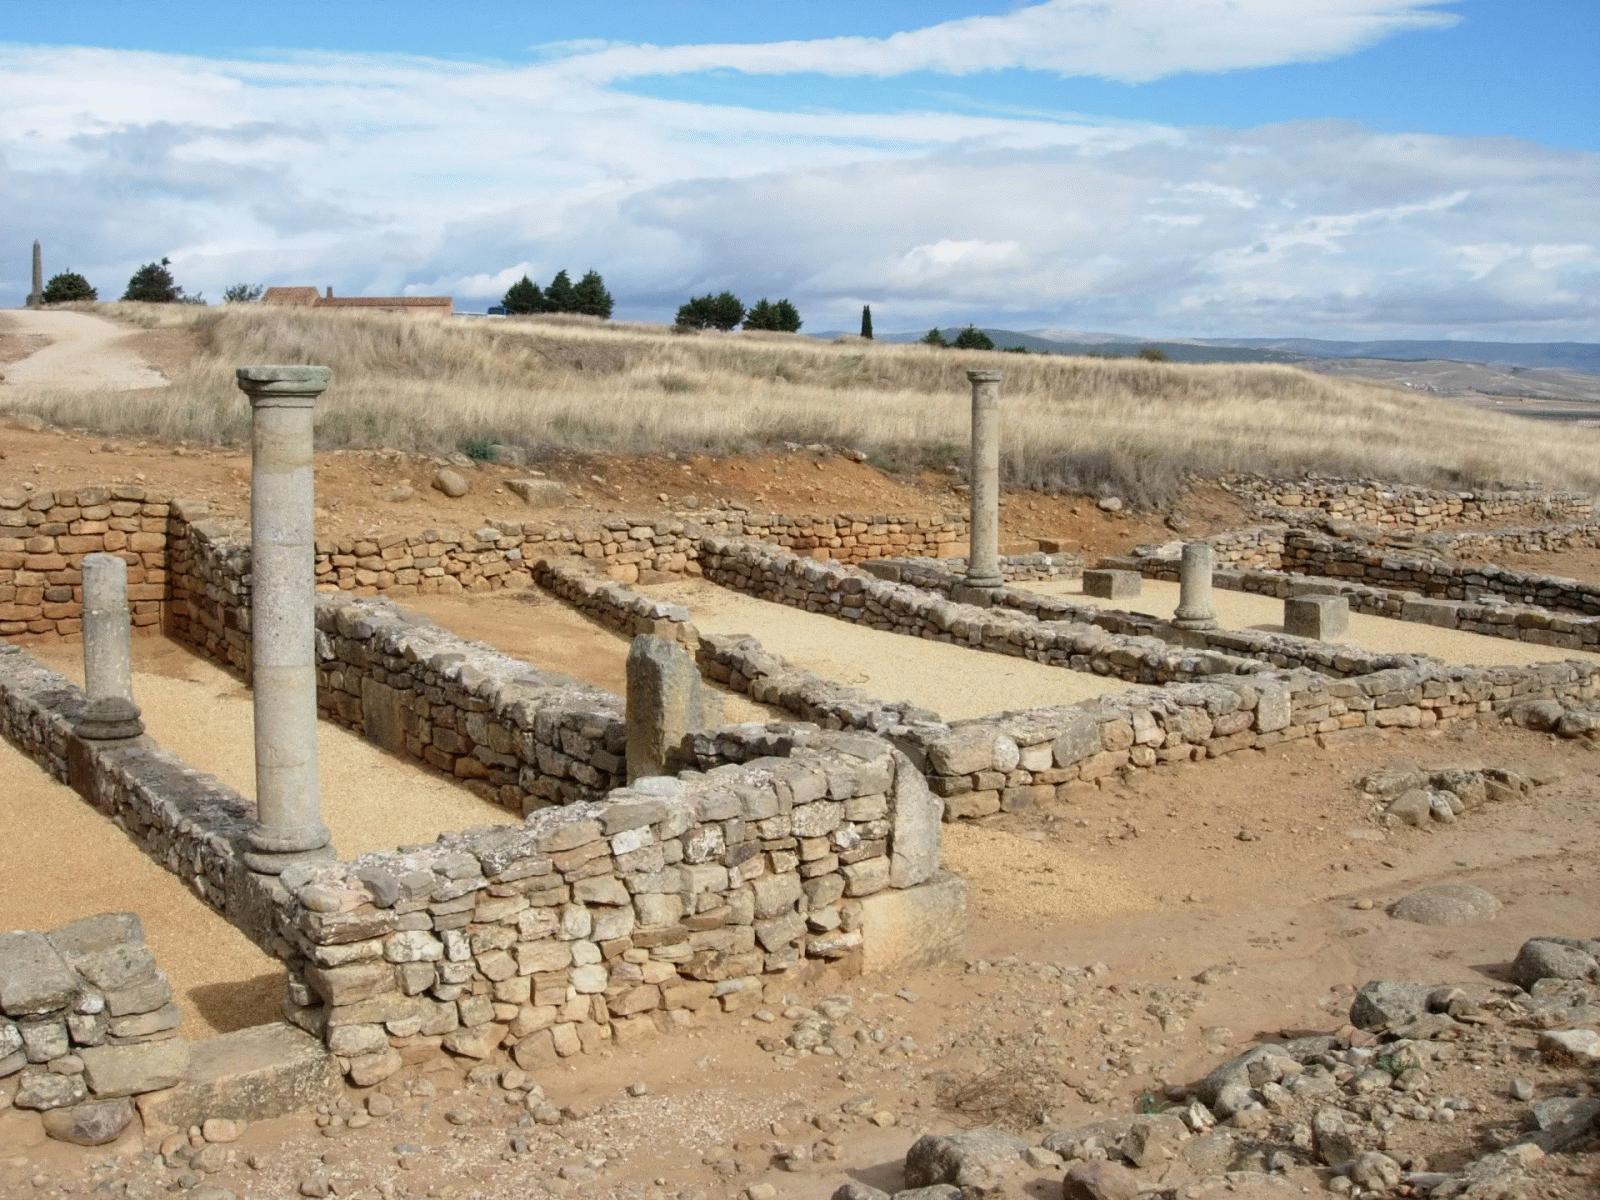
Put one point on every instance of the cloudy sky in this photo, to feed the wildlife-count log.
(1324, 168)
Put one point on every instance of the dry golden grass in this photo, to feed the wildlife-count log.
(578, 383)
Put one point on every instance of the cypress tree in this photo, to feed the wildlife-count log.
(523, 296)
(590, 296)
(558, 297)
(866, 321)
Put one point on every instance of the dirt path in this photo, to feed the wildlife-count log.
(85, 353)
(952, 681)
(1247, 610)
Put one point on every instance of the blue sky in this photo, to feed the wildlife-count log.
(1164, 167)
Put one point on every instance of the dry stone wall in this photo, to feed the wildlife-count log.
(86, 1018)
(43, 538)
(609, 920)
(516, 735)
(1418, 507)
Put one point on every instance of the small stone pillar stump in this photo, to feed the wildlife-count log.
(1194, 588)
(289, 826)
(983, 553)
(1321, 618)
(111, 713)
(666, 700)
(36, 296)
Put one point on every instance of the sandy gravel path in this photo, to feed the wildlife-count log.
(62, 860)
(86, 353)
(1246, 610)
(371, 800)
(950, 680)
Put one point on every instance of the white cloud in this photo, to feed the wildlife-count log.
(381, 174)
(1133, 41)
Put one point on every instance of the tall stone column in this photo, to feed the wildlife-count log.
(289, 826)
(107, 652)
(36, 297)
(983, 555)
(1194, 588)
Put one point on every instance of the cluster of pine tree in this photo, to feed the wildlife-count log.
(587, 296)
(970, 338)
(725, 311)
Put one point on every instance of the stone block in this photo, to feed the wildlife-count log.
(249, 1075)
(1112, 585)
(33, 978)
(382, 719)
(906, 928)
(914, 839)
(665, 701)
(1446, 614)
(1321, 618)
(129, 1070)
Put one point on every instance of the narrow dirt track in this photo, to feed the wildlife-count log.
(86, 353)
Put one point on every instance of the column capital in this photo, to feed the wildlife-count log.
(285, 385)
(986, 375)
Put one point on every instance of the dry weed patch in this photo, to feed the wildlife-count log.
(577, 383)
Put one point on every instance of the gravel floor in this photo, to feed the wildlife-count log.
(1246, 610)
(952, 681)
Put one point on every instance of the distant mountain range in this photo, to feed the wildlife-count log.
(1568, 356)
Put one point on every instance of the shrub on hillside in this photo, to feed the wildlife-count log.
(934, 338)
(67, 287)
(973, 338)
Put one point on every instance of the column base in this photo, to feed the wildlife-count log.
(1195, 624)
(110, 719)
(981, 594)
(264, 862)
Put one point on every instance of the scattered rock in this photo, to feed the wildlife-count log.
(538, 493)
(1555, 958)
(93, 1123)
(399, 493)
(1446, 904)
(451, 483)
(1384, 1005)
(1099, 1181)
(1109, 504)
(1580, 1047)
(970, 1158)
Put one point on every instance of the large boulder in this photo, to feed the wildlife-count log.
(93, 1123)
(980, 1159)
(1446, 904)
(1099, 1181)
(1555, 958)
(1384, 1005)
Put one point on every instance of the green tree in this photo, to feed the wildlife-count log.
(934, 338)
(67, 287)
(523, 296)
(866, 321)
(242, 293)
(590, 296)
(1152, 354)
(973, 338)
(153, 283)
(558, 297)
(788, 316)
(722, 311)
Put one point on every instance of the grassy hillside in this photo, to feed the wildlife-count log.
(574, 383)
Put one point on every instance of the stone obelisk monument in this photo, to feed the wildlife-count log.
(983, 554)
(36, 297)
(289, 826)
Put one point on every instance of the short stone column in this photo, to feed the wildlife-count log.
(36, 296)
(289, 826)
(666, 700)
(1194, 588)
(983, 554)
(111, 713)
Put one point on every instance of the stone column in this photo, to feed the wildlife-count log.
(983, 555)
(666, 700)
(1194, 588)
(107, 652)
(36, 297)
(289, 826)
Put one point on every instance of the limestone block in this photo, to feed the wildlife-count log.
(33, 978)
(665, 701)
(906, 928)
(1322, 618)
(1444, 613)
(129, 1070)
(249, 1075)
(914, 839)
(1112, 585)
